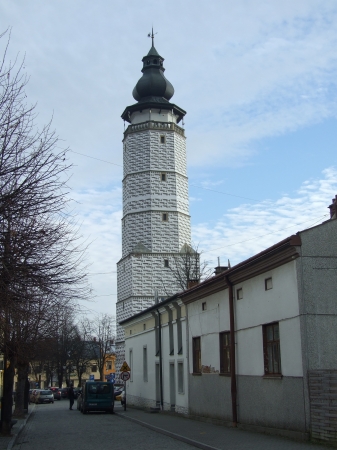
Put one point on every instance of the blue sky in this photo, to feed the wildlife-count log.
(257, 79)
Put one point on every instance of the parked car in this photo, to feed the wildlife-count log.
(64, 393)
(76, 392)
(44, 397)
(118, 390)
(121, 397)
(56, 393)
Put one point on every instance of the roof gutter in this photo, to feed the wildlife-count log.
(232, 347)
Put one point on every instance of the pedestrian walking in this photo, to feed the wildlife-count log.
(71, 396)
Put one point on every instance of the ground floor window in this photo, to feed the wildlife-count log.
(225, 352)
(271, 349)
(196, 355)
(180, 377)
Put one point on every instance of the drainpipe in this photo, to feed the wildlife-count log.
(160, 363)
(232, 346)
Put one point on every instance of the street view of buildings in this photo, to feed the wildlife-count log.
(253, 345)
(246, 346)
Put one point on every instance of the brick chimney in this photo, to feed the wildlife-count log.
(192, 283)
(333, 208)
(220, 269)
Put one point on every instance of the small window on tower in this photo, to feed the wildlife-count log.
(166, 263)
(164, 217)
(163, 176)
(162, 139)
(155, 61)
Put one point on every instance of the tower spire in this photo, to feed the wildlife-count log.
(151, 35)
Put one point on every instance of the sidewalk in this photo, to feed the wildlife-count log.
(212, 437)
(7, 443)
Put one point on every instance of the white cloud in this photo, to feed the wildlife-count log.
(99, 213)
(248, 229)
(242, 70)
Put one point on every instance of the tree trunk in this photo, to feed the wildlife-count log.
(20, 391)
(60, 379)
(7, 399)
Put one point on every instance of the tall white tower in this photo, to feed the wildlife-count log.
(156, 221)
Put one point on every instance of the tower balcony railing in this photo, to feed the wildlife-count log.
(154, 125)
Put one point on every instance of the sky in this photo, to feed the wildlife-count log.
(257, 79)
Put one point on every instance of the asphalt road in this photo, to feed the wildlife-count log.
(55, 427)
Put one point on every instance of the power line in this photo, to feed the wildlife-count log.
(101, 273)
(104, 295)
(97, 159)
(191, 184)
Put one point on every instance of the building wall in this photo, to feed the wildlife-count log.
(268, 402)
(140, 333)
(110, 360)
(317, 272)
(317, 269)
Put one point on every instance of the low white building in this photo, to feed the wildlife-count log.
(262, 338)
(155, 349)
(260, 350)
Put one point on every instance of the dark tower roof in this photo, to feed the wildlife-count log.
(153, 82)
(153, 90)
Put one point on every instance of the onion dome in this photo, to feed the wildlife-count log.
(153, 91)
(153, 82)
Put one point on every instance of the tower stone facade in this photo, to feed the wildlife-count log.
(156, 221)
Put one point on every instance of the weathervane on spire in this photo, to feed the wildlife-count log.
(151, 35)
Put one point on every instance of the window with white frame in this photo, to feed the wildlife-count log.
(131, 363)
(145, 378)
(180, 377)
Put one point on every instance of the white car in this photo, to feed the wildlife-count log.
(44, 397)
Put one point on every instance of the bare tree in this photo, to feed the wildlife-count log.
(41, 258)
(82, 350)
(187, 268)
(102, 329)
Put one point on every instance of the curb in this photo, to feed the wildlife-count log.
(178, 437)
(23, 424)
